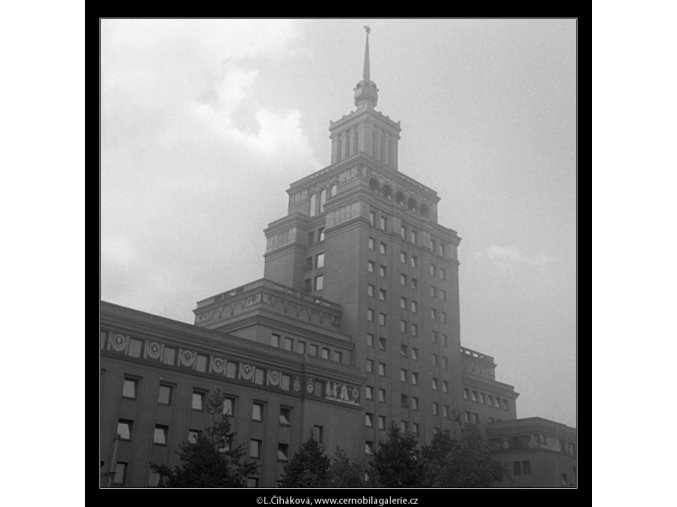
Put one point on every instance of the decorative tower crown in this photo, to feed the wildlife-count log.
(366, 92)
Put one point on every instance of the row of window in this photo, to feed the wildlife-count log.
(435, 271)
(316, 206)
(485, 399)
(316, 235)
(406, 401)
(314, 284)
(312, 349)
(382, 318)
(314, 262)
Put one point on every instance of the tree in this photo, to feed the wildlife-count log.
(347, 473)
(396, 462)
(308, 468)
(463, 462)
(211, 461)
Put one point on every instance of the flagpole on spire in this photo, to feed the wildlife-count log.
(365, 73)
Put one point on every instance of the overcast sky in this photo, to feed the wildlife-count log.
(206, 122)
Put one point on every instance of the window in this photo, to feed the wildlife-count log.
(319, 260)
(475, 418)
(466, 417)
(275, 340)
(414, 261)
(403, 326)
(384, 222)
(403, 257)
(433, 291)
(169, 355)
(382, 369)
(404, 427)
(307, 285)
(445, 363)
(414, 378)
(336, 356)
(404, 401)
(414, 353)
(320, 234)
(382, 271)
(516, 468)
(301, 347)
(325, 353)
(440, 249)
(288, 343)
(433, 270)
(414, 307)
(153, 479)
(370, 315)
(319, 282)
(313, 205)
(403, 375)
(526, 467)
(565, 481)
(368, 420)
(160, 434)
(382, 294)
(135, 347)
(382, 343)
(370, 366)
(414, 428)
(370, 290)
(283, 452)
(120, 472)
(323, 199)
(201, 363)
(482, 398)
(465, 393)
(382, 395)
(228, 406)
(490, 400)
(371, 266)
(382, 319)
(125, 429)
(372, 218)
(403, 231)
(433, 313)
(381, 422)
(165, 394)
(370, 243)
(259, 374)
(434, 359)
(370, 340)
(497, 403)
(403, 280)
(413, 236)
(382, 248)
(403, 350)
(332, 190)
(285, 416)
(285, 381)
(434, 384)
(369, 448)
(414, 283)
(443, 274)
(198, 400)
(231, 369)
(254, 448)
(257, 411)
(473, 395)
(369, 392)
(445, 410)
(311, 237)
(129, 386)
(443, 295)
(317, 433)
(312, 349)
(445, 386)
(414, 403)
(414, 330)
(436, 408)
(403, 303)
(445, 340)
(434, 336)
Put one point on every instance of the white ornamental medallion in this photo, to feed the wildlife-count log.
(274, 378)
(246, 371)
(119, 342)
(297, 384)
(187, 357)
(153, 350)
(218, 365)
(310, 386)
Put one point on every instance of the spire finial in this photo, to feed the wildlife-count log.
(365, 73)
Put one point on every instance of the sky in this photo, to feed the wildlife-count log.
(205, 123)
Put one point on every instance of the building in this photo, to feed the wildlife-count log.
(354, 326)
(535, 452)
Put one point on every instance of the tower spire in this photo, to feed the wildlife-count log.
(366, 92)
(365, 73)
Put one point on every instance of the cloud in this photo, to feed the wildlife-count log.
(510, 256)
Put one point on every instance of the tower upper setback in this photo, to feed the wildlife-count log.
(365, 130)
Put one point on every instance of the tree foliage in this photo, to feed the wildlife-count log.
(308, 468)
(347, 473)
(463, 462)
(396, 463)
(211, 461)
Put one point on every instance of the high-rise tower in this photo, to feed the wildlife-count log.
(362, 234)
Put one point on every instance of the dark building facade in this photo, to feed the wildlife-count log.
(354, 326)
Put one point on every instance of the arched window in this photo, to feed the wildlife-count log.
(323, 199)
(333, 190)
(338, 147)
(399, 197)
(313, 205)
